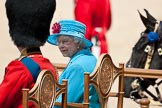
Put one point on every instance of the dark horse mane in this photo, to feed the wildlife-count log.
(147, 54)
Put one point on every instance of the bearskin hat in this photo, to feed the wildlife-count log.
(29, 21)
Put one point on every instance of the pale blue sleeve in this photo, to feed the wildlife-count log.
(75, 76)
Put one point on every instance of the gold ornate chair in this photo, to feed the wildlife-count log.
(44, 92)
(102, 78)
(131, 72)
(60, 66)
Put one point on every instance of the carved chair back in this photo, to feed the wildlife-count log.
(44, 92)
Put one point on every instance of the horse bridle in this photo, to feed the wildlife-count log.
(150, 51)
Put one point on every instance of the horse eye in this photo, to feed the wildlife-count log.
(147, 49)
(160, 51)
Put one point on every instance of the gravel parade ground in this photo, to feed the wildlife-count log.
(121, 37)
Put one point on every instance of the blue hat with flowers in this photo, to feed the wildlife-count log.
(69, 28)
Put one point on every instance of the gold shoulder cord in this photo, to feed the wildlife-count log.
(20, 58)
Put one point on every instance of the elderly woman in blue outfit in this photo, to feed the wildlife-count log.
(68, 35)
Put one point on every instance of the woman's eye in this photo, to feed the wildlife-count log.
(65, 41)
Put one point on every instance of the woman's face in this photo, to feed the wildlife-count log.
(67, 46)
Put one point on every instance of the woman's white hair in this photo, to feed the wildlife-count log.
(80, 42)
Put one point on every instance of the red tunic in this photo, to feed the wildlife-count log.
(17, 77)
(95, 14)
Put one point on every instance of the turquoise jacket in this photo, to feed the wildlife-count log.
(81, 62)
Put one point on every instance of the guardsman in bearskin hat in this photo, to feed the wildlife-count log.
(29, 25)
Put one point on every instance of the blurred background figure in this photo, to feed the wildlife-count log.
(96, 15)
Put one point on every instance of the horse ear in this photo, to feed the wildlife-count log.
(150, 17)
(148, 24)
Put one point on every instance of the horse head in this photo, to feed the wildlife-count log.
(147, 54)
(150, 42)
